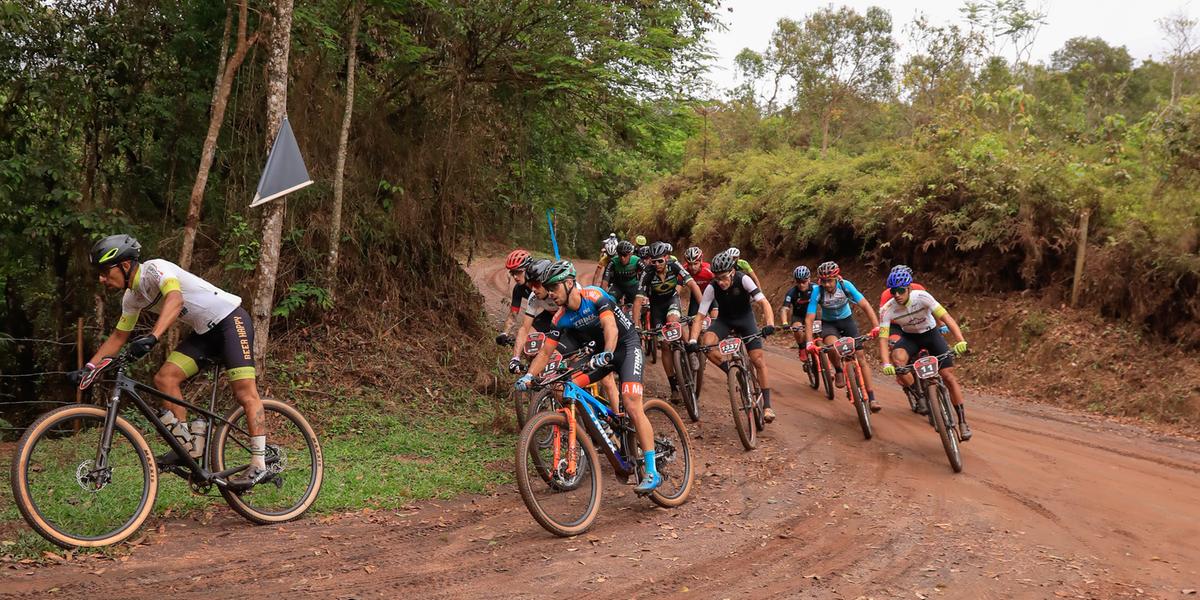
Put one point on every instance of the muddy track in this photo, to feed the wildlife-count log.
(1051, 504)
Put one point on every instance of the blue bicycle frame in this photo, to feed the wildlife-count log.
(597, 410)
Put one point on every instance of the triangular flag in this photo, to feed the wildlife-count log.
(285, 172)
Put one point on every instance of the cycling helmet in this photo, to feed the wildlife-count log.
(670, 248)
(517, 259)
(640, 240)
(658, 250)
(642, 251)
(610, 246)
(693, 254)
(801, 273)
(625, 248)
(114, 249)
(536, 271)
(829, 269)
(899, 278)
(723, 262)
(734, 252)
(904, 268)
(558, 272)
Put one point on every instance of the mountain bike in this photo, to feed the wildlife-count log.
(852, 377)
(83, 475)
(558, 468)
(941, 411)
(687, 372)
(745, 393)
(809, 361)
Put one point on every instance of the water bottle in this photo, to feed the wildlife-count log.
(199, 428)
(177, 428)
(608, 431)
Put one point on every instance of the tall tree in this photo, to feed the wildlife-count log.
(1183, 48)
(272, 222)
(335, 227)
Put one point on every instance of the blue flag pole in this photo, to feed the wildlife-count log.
(553, 241)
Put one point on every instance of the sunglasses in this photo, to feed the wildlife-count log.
(723, 276)
(657, 261)
(896, 291)
(516, 272)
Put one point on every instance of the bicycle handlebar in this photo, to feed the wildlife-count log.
(940, 357)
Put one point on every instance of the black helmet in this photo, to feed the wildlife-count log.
(658, 250)
(536, 271)
(114, 249)
(625, 248)
(723, 262)
(559, 271)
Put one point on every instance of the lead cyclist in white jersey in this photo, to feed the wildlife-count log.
(221, 331)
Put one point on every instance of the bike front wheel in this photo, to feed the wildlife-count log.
(827, 375)
(742, 407)
(563, 501)
(65, 496)
(942, 419)
(856, 394)
(687, 383)
(293, 456)
(810, 369)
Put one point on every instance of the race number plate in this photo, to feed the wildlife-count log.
(707, 322)
(672, 331)
(556, 362)
(816, 327)
(533, 343)
(927, 367)
(730, 346)
(845, 346)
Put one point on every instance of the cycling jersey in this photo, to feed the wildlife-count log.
(520, 292)
(887, 293)
(703, 275)
(204, 304)
(622, 274)
(918, 316)
(595, 306)
(737, 301)
(797, 299)
(535, 307)
(660, 287)
(835, 306)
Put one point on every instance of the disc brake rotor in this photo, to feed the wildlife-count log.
(91, 480)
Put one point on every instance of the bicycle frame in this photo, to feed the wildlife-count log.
(123, 385)
(596, 410)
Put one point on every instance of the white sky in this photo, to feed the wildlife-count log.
(1120, 23)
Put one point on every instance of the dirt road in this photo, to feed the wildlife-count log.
(1051, 504)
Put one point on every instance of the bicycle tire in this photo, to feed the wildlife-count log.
(687, 383)
(521, 402)
(19, 478)
(948, 434)
(827, 375)
(810, 369)
(680, 494)
(743, 417)
(698, 377)
(236, 501)
(860, 401)
(525, 482)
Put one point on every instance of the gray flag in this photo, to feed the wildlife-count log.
(285, 172)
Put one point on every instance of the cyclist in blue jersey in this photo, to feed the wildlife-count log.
(592, 315)
(833, 297)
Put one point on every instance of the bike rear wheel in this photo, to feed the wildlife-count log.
(942, 418)
(860, 401)
(673, 455)
(293, 454)
(64, 497)
(741, 406)
(563, 503)
(687, 383)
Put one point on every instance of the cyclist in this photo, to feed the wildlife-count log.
(918, 313)
(737, 294)
(593, 316)
(607, 251)
(795, 302)
(701, 272)
(515, 263)
(640, 246)
(834, 296)
(660, 286)
(743, 265)
(621, 274)
(883, 299)
(539, 316)
(221, 330)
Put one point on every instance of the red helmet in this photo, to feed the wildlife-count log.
(518, 259)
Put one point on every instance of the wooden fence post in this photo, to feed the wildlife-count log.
(1080, 255)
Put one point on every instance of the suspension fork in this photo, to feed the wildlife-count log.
(572, 443)
(110, 421)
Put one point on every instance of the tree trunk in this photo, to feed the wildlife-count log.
(1080, 256)
(219, 102)
(335, 229)
(268, 261)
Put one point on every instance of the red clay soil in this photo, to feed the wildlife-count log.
(1051, 504)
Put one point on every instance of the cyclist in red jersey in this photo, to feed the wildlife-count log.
(516, 263)
(701, 272)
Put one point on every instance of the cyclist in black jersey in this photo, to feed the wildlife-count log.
(795, 303)
(660, 286)
(737, 294)
(516, 263)
(593, 315)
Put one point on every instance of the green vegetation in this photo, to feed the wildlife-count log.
(958, 161)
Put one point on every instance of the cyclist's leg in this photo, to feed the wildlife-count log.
(181, 364)
(629, 363)
(935, 344)
(237, 331)
(660, 312)
(900, 358)
(717, 331)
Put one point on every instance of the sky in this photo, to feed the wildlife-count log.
(1120, 23)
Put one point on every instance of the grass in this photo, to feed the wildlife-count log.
(377, 455)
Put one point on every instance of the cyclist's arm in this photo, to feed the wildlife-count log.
(522, 332)
(811, 315)
(767, 311)
(609, 322)
(706, 300)
(866, 306)
(885, 326)
(943, 316)
(110, 346)
(637, 309)
(785, 315)
(695, 288)
(760, 299)
(172, 305)
(857, 297)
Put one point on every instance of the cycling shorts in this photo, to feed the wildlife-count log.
(661, 308)
(628, 363)
(931, 341)
(840, 328)
(230, 341)
(742, 326)
(543, 322)
(623, 293)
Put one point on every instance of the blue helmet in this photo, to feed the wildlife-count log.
(802, 272)
(901, 276)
